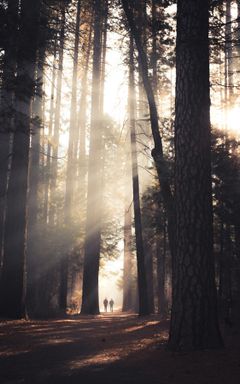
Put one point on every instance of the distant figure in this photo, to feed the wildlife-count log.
(105, 303)
(111, 302)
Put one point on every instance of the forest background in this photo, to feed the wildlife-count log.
(105, 164)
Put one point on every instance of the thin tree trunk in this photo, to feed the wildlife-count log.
(54, 165)
(90, 299)
(229, 54)
(141, 264)
(161, 274)
(34, 174)
(70, 167)
(82, 117)
(157, 152)
(154, 46)
(49, 145)
(73, 123)
(82, 112)
(128, 304)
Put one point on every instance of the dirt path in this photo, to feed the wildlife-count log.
(107, 349)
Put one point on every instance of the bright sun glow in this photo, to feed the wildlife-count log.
(115, 99)
(228, 120)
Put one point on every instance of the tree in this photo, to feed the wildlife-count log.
(194, 322)
(90, 300)
(7, 106)
(157, 152)
(13, 278)
(141, 264)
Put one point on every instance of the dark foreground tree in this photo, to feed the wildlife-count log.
(194, 322)
(13, 278)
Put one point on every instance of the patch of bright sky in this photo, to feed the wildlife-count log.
(221, 118)
(116, 80)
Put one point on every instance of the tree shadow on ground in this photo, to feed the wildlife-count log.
(107, 349)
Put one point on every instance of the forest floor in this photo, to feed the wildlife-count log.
(106, 349)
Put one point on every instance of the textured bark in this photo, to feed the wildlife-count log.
(7, 109)
(13, 279)
(141, 263)
(90, 299)
(194, 322)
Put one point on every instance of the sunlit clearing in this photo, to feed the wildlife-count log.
(110, 274)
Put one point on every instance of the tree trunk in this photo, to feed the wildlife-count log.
(82, 120)
(90, 299)
(34, 174)
(154, 47)
(194, 321)
(49, 144)
(157, 152)
(141, 263)
(161, 274)
(13, 281)
(64, 269)
(229, 55)
(54, 165)
(7, 109)
(73, 124)
(128, 304)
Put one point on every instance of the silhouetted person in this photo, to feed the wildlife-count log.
(105, 303)
(111, 302)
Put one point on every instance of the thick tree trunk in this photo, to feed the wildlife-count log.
(194, 322)
(13, 279)
(7, 109)
(90, 299)
(141, 263)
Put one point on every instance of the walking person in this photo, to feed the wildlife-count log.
(105, 303)
(111, 303)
